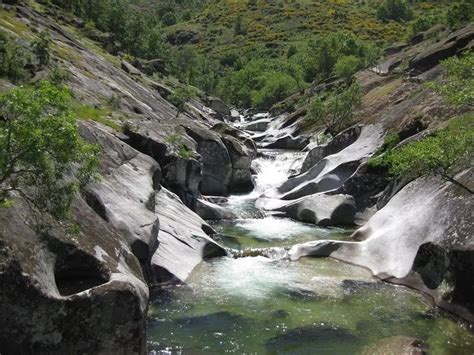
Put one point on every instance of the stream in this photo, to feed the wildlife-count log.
(249, 303)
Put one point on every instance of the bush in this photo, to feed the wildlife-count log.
(336, 111)
(458, 86)
(169, 19)
(40, 47)
(346, 67)
(440, 154)
(13, 59)
(277, 87)
(421, 24)
(459, 14)
(394, 10)
(180, 97)
(40, 147)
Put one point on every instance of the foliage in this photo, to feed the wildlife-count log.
(458, 86)
(422, 23)
(394, 10)
(346, 67)
(180, 97)
(40, 148)
(322, 54)
(335, 112)
(40, 47)
(13, 59)
(438, 154)
(459, 14)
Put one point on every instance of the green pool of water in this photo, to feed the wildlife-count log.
(315, 306)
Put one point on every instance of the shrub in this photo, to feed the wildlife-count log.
(180, 97)
(459, 14)
(336, 111)
(439, 154)
(458, 86)
(394, 10)
(277, 86)
(40, 147)
(169, 19)
(346, 67)
(422, 23)
(40, 47)
(13, 59)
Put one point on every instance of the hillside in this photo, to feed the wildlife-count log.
(326, 206)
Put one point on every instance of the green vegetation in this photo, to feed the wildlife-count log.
(40, 148)
(459, 14)
(257, 52)
(41, 48)
(439, 154)
(179, 148)
(458, 86)
(335, 112)
(180, 97)
(444, 153)
(13, 59)
(396, 10)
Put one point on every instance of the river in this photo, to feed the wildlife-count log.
(257, 301)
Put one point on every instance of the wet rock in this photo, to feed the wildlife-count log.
(402, 345)
(321, 209)
(424, 230)
(216, 161)
(214, 322)
(241, 159)
(257, 126)
(332, 171)
(212, 212)
(183, 239)
(325, 338)
(289, 142)
(338, 143)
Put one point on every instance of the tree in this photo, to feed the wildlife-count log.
(394, 10)
(458, 86)
(40, 150)
(346, 67)
(239, 28)
(41, 49)
(459, 14)
(336, 111)
(439, 154)
(180, 97)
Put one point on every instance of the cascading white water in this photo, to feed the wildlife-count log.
(274, 168)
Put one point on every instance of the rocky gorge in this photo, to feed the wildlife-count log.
(159, 226)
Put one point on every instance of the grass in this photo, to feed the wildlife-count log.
(100, 115)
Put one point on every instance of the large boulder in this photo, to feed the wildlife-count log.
(448, 47)
(159, 228)
(422, 238)
(289, 142)
(338, 143)
(215, 159)
(332, 171)
(69, 293)
(124, 195)
(213, 212)
(320, 209)
(183, 240)
(218, 106)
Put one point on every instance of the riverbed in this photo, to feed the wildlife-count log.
(256, 301)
